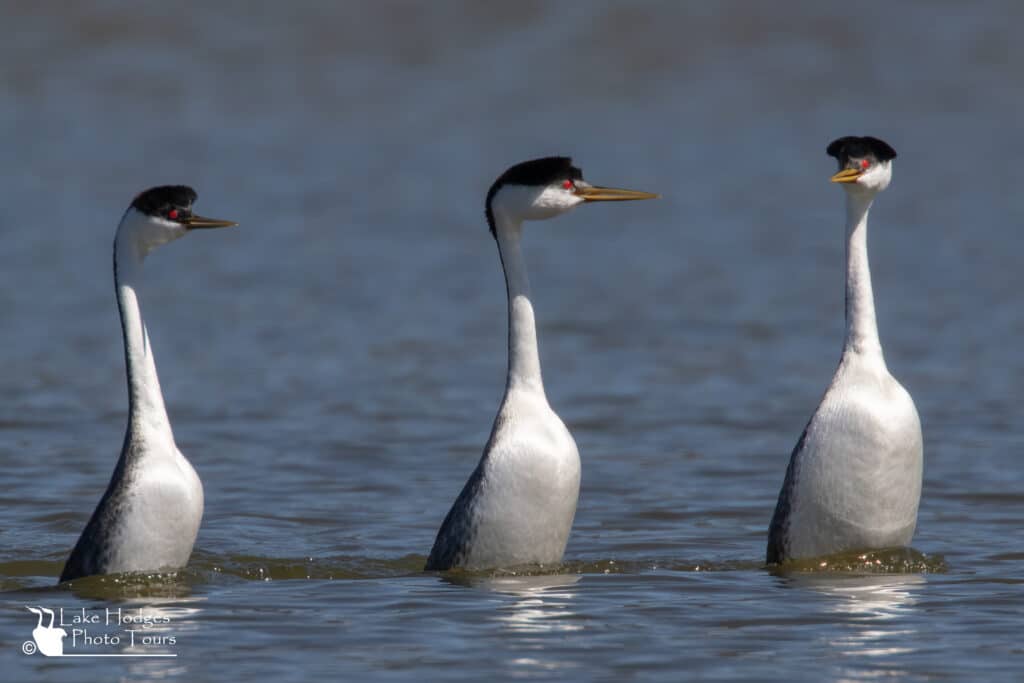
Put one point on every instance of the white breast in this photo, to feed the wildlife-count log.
(160, 520)
(531, 479)
(858, 478)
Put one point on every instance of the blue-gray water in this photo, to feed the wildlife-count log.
(332, 366)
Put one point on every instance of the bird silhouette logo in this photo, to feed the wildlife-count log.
(48, 640)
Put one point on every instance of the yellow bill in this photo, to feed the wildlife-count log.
(610, 194)
(193, 222)
(847, 175)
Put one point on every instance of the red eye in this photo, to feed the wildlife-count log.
(173, 214)
(568, 185)
(865, 163)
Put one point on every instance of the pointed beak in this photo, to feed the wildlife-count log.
(610, 194)
(196, 222)
(847, 175)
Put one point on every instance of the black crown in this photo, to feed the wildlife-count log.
(157, 201)
(534, 173)
(853, 147)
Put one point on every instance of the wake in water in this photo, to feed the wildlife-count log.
(885, 561)
(206, 568)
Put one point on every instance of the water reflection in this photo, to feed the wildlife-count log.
(874, 612)
(171, 626)
(542, 603)
(541, 606)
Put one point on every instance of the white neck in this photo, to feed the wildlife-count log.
(147, 416)
(861, 326)
(523, 355)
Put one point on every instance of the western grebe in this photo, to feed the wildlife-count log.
(149, 515)
(854, 478)
(518, 505)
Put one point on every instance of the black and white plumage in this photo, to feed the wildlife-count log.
(854, 478)
(149, 515)
(518, 506)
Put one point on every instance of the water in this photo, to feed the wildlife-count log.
(332, 367)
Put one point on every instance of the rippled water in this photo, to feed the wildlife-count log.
(332, 367)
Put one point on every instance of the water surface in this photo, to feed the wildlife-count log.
(332, 367)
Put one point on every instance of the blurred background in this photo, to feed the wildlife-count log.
(332, 366)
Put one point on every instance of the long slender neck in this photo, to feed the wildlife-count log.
(523, 355)
(147, 416)
(861, 326)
